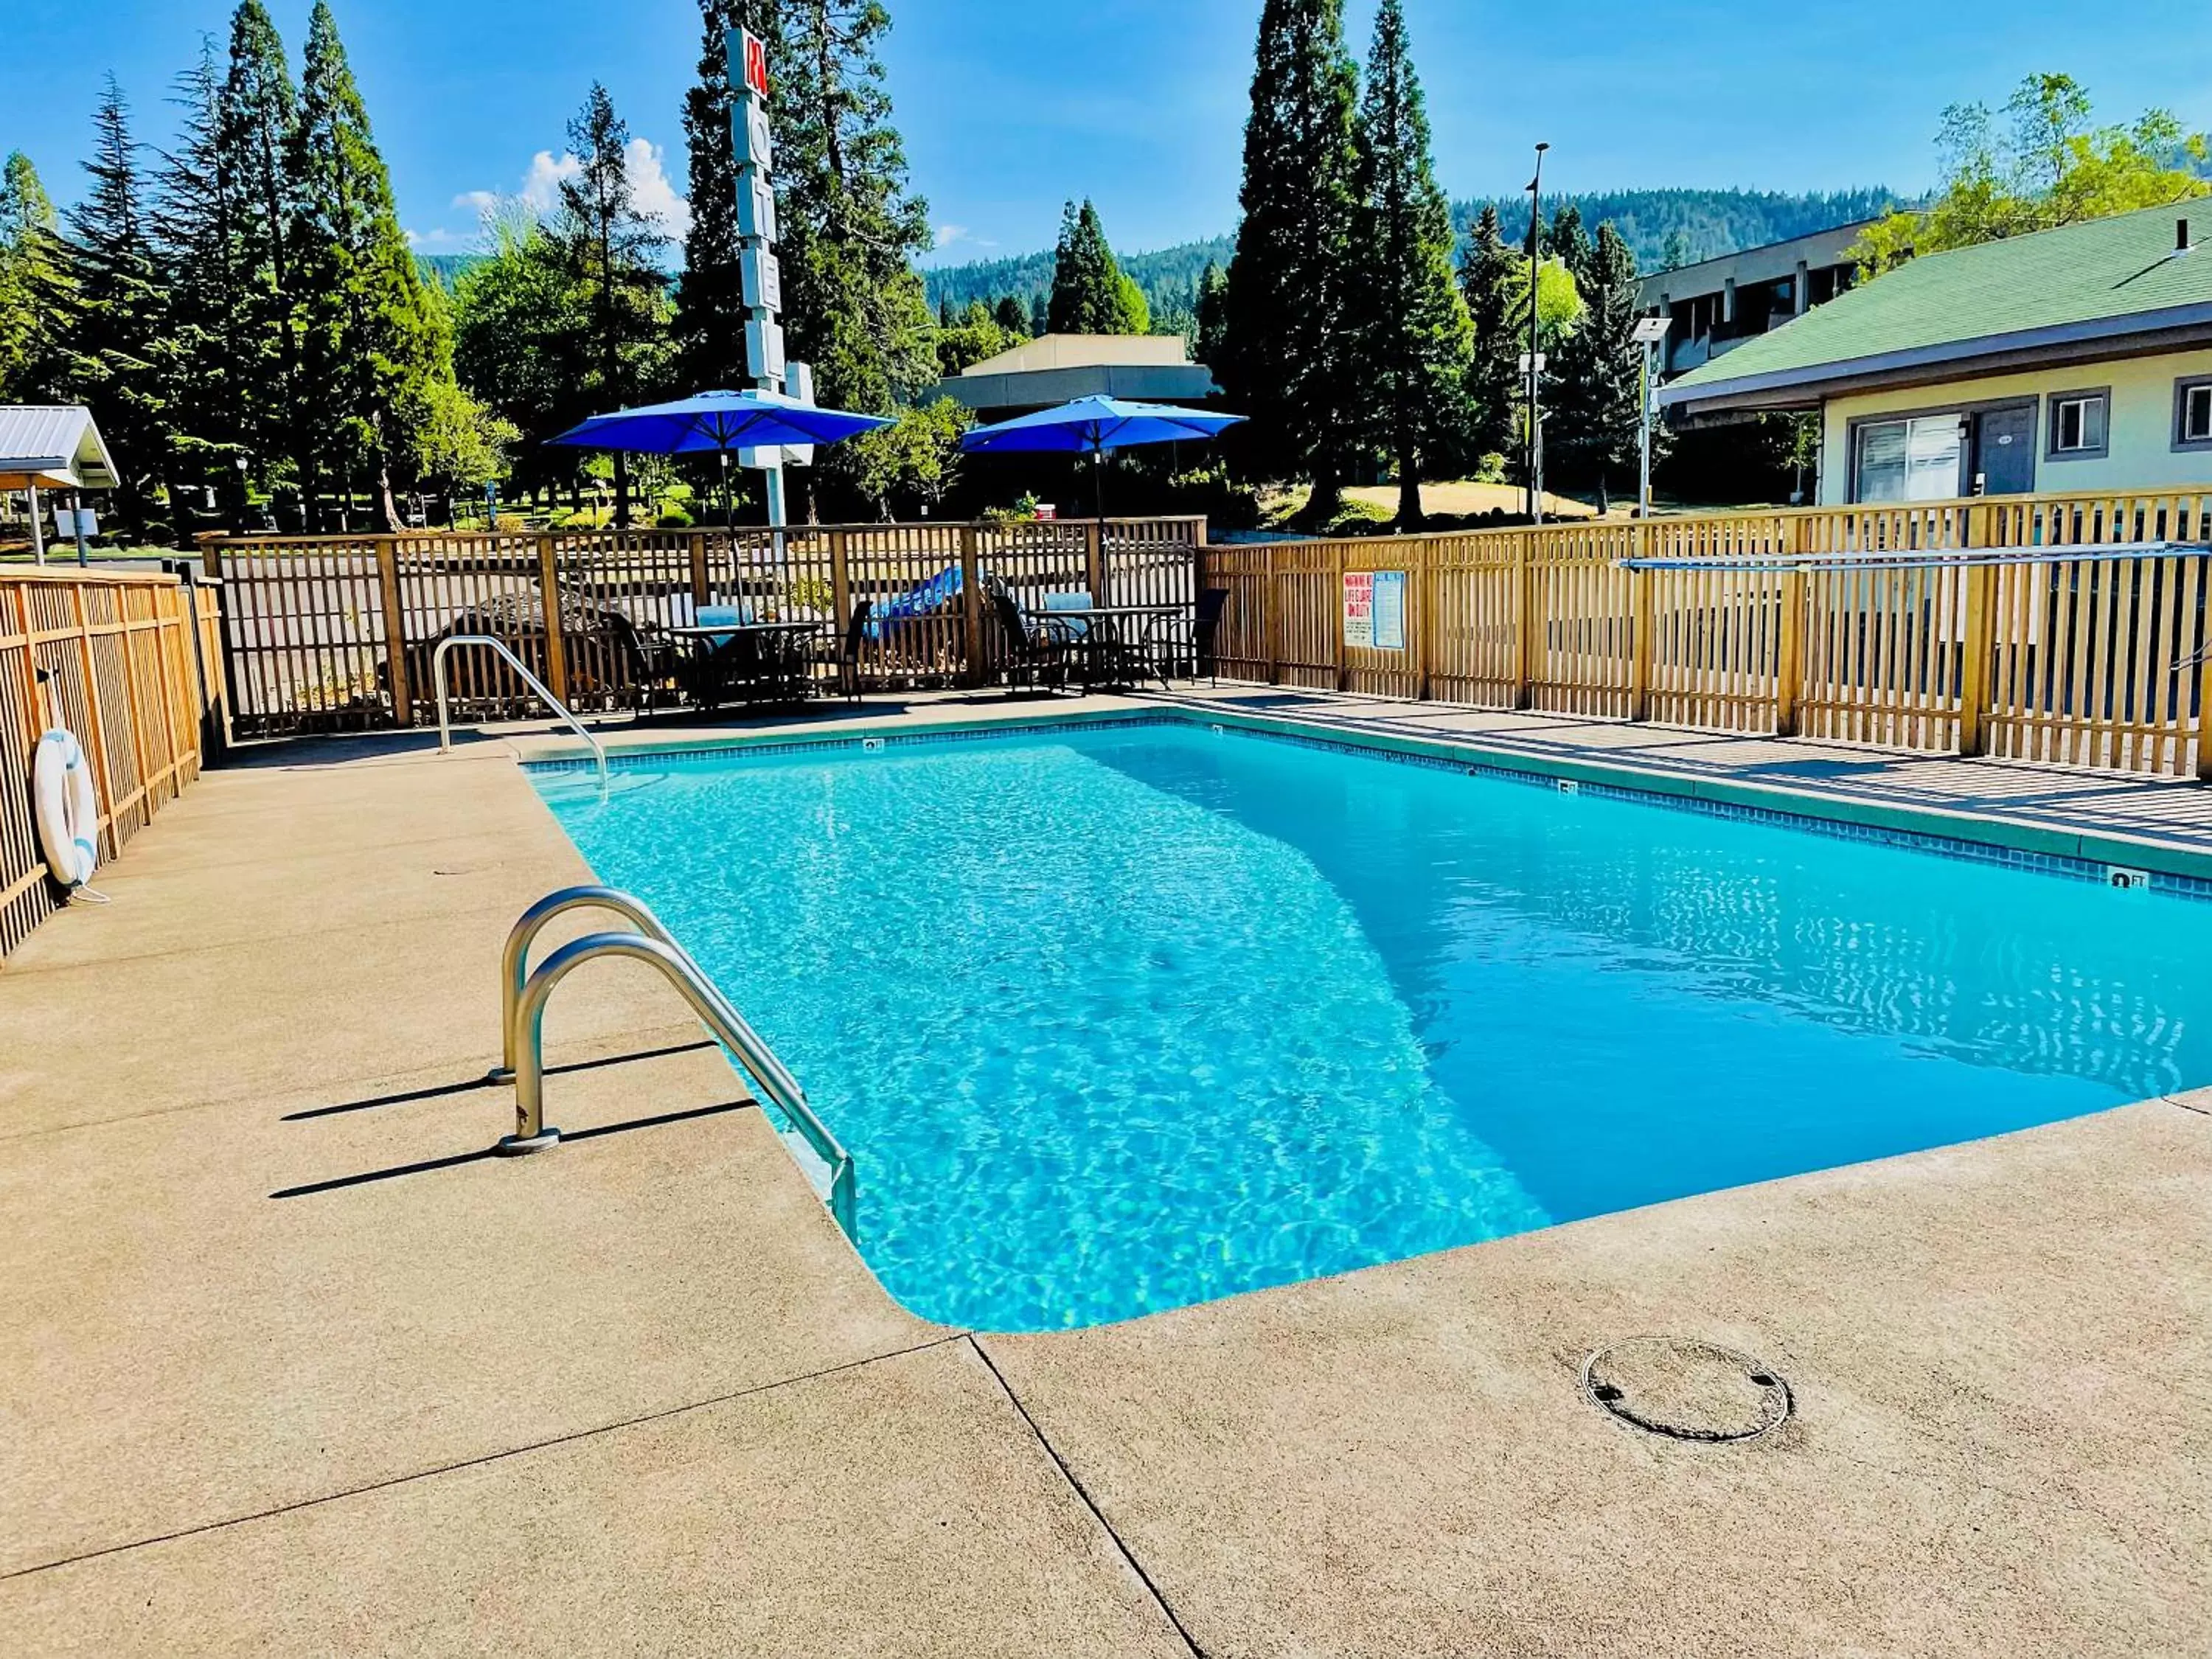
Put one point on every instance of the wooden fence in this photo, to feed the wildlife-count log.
(2097, 656)
(310, 624)
(119, 660)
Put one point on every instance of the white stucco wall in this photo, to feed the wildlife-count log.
(2140, 451)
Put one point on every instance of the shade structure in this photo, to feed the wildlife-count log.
(1091, 426)
(712, 422)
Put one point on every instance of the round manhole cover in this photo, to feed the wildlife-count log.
(1686, 1389)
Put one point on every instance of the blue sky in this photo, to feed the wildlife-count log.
(1010, 106)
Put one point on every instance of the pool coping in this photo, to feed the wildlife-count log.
(1980, 837)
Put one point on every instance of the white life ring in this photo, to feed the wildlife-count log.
(67, 810)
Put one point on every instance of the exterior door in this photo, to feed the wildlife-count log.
(2004, 450)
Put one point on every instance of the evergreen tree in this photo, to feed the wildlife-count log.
(709, 325)
(195, 228)
(374, 339)
(849, 226)
(1675, 252)
(1089, 295)
(1212, 314)
(1289, 362)
(1040, 316)
(114, 332)
(1599, 416)
(1566, 240)
(31, 280)
(1489, 276)
(609, 244)
(1013, 316)
(256, 150)
(1414, 332)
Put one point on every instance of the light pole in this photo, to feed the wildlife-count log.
(245, 495)
(1648, 334)
(1535, 359)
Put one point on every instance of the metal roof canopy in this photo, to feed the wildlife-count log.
(50, 446)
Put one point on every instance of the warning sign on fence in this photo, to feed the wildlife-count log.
(1359, 609)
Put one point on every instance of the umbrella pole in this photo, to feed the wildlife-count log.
(1098, 487)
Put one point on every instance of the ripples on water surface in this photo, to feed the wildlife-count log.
(1117, 1021)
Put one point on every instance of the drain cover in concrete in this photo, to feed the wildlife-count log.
(1686, 1389)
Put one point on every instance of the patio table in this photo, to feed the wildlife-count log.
(781, 645)
(1104, 634)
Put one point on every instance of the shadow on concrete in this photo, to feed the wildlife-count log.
(468, 1085)
(368, 1177)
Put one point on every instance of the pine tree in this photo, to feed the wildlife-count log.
(1599, 417)
(30, 280)
(1414, 336)
(1490, 276)
(113, 339)
(610, 246)
(1040, 316)
(194, 229)
(1089, 294)
(1013, 315)
(709, 326)
(1289, 362)
(1566, 240)
(256, 145)
(849, 225)
(1212, 314)
(375, 338)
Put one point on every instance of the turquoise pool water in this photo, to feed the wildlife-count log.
(1118, 1020)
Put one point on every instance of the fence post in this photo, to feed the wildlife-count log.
(971, 603)
(1334, 607)
(1639, 642)
(1419, 581)
(395, 629)
(1525, 605)
(1976, 635)
(96, 747)
(1271, 620)
(1094, 559)
(556, 644)
(695, 544)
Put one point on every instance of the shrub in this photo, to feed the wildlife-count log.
(673, 518)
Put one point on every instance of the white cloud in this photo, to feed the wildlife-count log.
(541, 183)
(655, 194)
(946, 235)
(478, 202)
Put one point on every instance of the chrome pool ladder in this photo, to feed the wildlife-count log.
(559, 710)
(524, 996)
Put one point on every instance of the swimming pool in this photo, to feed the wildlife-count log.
(1120, 1019)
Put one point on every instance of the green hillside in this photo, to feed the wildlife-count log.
(1708, 222)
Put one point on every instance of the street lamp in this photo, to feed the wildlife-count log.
(1649, 333)
(1534, 359)
(245, 496)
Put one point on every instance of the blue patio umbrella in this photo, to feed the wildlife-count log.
(1091, 426)
(714, 423)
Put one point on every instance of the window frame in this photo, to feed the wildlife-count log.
(2184, 389)
(2100, 450)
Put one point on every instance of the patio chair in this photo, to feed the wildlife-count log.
(1035, 650)
(845, 653)
(1189, 640)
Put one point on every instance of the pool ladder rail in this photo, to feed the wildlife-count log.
(524, 995)
(559, 710)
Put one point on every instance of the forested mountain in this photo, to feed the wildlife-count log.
(1708, 222)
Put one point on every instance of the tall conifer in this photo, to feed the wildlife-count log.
(1414, 332)
(710, 319)
(1290, 357)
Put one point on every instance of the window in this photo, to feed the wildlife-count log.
(2192, 414)
(2078, 420)
(1917, 459)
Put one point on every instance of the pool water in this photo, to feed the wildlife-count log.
(1122, 1019)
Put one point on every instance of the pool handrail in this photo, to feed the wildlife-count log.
(769, 1074)
(559, 710)
(515, 960)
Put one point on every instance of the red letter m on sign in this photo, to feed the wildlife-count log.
(756, 65)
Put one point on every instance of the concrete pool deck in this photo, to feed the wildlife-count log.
(292, 1367)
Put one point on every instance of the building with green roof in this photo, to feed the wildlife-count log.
(2079, 358)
